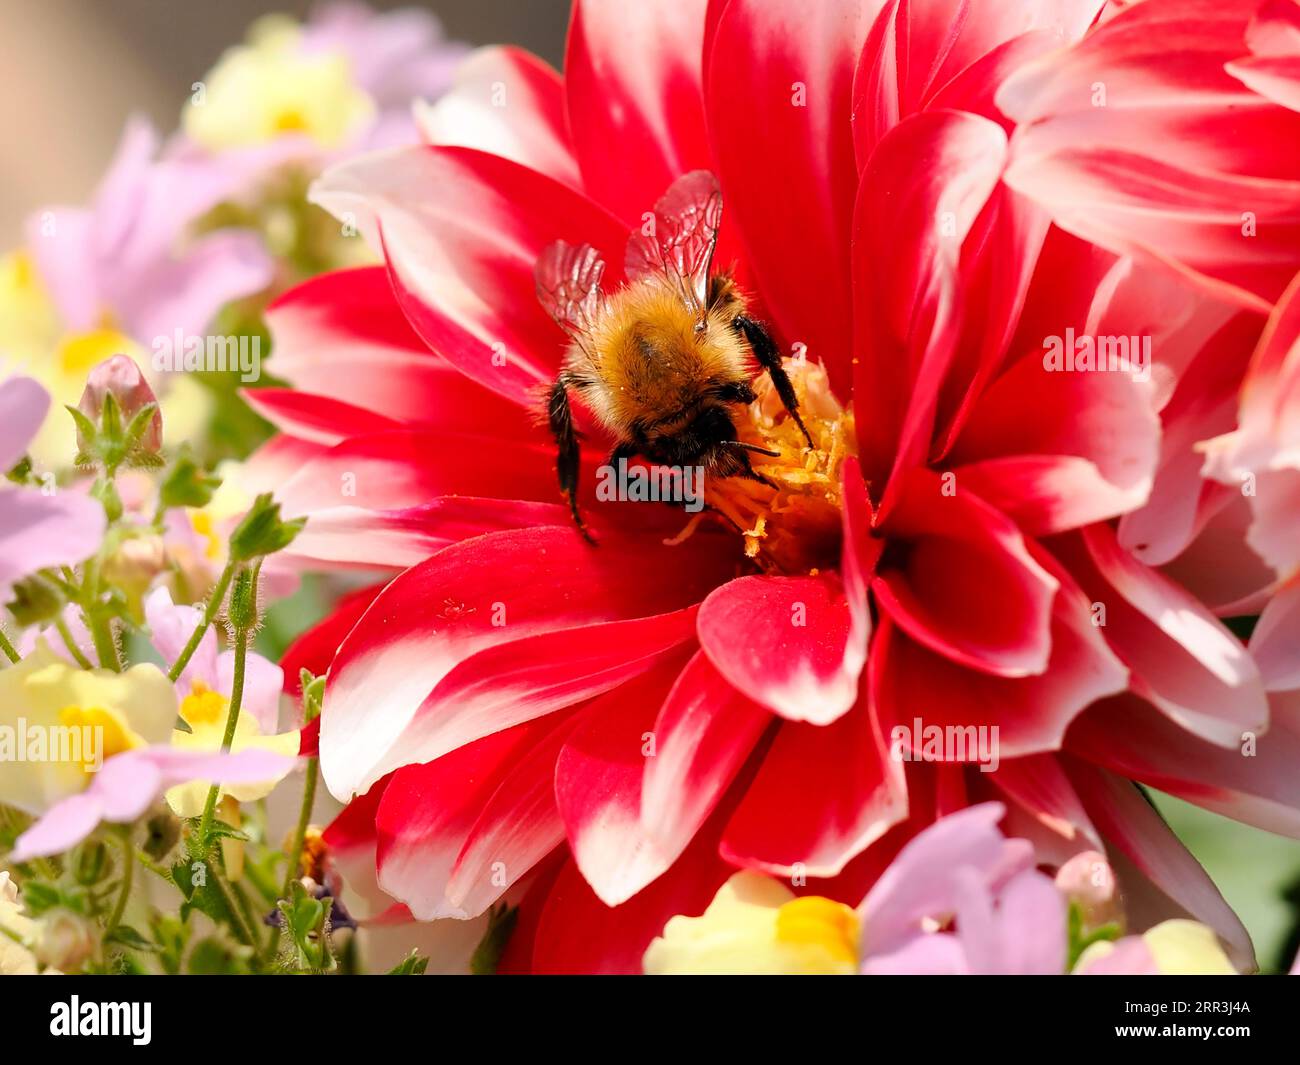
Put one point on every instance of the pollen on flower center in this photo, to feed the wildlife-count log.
(202, 706)
(792, 523)
(114, 735)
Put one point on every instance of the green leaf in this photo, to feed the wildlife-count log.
(411, 965)
(127, 936)
(187, 484)
(263, 531)
(487, 955)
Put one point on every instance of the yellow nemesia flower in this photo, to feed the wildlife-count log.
(757, 925)
(268, 87)
(33, 341)
(1179, 947)
(205, 710)
(46, 703)
(15, 958)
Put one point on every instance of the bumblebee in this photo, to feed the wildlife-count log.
(663, 361)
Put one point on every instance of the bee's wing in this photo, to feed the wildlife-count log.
(568, 286)
(684, 233)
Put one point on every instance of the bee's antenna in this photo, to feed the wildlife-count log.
(753, 447)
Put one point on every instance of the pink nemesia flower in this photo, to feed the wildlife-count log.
(488, 712)
(1010, 918)
(119, 261)
(129, 783)
(37, 529)
(170, 627)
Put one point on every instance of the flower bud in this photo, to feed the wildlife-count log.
(121, 378)
(1088, 881)
(65, 940)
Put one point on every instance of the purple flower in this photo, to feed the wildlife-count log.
(37, 529)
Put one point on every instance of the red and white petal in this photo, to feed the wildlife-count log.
(965, 584)
(461, 262)
(506, 101)
(1031, 713)
(1179, 155)
(921, 193)
(1254, 782)
(822, 795)
(703, 734)
(495, 589)
(635, 105)
(1181, 657)
(788, 171)
(785, 643)
(426, 814)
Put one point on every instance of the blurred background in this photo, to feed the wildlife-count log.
(75, 69)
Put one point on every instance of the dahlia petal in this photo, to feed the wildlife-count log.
(518, 826)
(314, 649)
(400, 650)
(907, 310)
(1181, 657)
(1040, 787)
(398, 470)
(598, 788)
(1163, 170)
(632, 79)
(911, 63)
(320, 419)
(1058, 450)
(577, 933)
(1031, 714)
(1274, 645)
(785, 643)
(790, 176)
(461, 263)
(532, 676)
(506, 101)
(343, 335)
(1254, 781)
(969, 588)
(427, 811)
(353, 840)
(704, 731)
(821, 796)
(1133, 826)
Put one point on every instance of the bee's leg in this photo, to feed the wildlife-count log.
(560, 417)
(770, 359)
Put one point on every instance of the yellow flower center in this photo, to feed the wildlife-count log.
(79, 353)
(113, 736)
(792, 524)
(817, 922)
(203, 706)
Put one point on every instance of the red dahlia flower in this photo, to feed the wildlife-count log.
(622, 726)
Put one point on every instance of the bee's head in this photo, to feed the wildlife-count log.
(708, 439)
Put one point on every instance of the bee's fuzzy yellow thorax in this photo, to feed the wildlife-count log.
(793, 527)
(651, 361)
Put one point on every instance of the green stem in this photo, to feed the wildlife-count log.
(9, 650)
(310, 710)
(232, 719)
(128, 876)
(61, 627)
(209, 614)
(240, 923)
